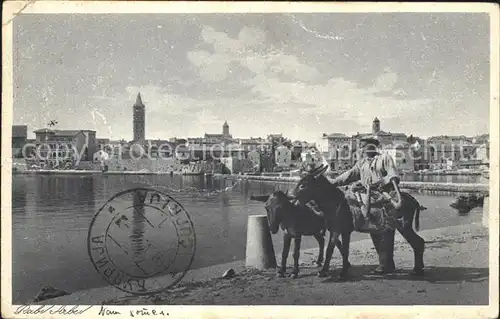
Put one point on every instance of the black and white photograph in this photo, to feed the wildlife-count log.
(249, 154)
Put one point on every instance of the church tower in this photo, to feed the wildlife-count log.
(225, 129)
(139, 122)
(375, 126)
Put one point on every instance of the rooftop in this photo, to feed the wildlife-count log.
(138, 100)
(61, 132)
(334, 135)
(214, 135)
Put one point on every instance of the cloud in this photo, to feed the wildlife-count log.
(211, 67)
(280, 79)
(386, 81)
(249, 49)
(339, 97)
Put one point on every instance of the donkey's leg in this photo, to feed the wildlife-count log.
(321, 242)
(296, 255)
(418, 244)
(338, 244)
(287, 240)
(346, 240)
(329, 252)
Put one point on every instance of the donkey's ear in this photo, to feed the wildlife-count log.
(321, 171)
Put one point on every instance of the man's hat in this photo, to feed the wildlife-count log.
(370, 139)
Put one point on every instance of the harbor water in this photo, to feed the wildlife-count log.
(51, 215)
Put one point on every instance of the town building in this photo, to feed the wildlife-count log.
(225, 129)
(159, 148)
(449, 140)
(482, 153)
(19, 139)
(272, 137)
(56, 146)
(283, 156)
(439, 150)
(298, 147)
(393, 142)
(481, 139)
(102, 143)
(225, 137)
(386, 139)
(249, 144)
(237, 165)
(139, 119)
(254, 156)
(100, 156)
(182, 153)
(402, 156)
(311, 158)
(339, 148)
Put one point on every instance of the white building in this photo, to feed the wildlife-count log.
(401, 154)
(237, 165)
(283, 156)
(482, 153)
(254, 157)
(340, 150)
(101, 156)
(311, 157)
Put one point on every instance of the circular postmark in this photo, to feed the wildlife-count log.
(142, 241)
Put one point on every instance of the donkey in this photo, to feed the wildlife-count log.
(295, 222)
(339, 214)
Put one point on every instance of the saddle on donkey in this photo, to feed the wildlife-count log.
(376, 215)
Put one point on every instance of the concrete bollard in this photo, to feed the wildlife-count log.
(260, 250)
(486, 211)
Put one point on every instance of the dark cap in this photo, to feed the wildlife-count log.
(367, 140)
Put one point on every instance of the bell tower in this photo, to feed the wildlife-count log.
(375, 126)
(139, 119)
(225, 129)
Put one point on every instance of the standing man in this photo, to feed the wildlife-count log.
(376, 173)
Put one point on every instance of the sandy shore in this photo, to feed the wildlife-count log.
(456, 274)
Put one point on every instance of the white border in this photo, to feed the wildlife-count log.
(10, 8)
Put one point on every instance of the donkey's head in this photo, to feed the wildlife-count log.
(276, 207)
(312, 186)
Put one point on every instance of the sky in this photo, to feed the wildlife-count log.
(301, 75)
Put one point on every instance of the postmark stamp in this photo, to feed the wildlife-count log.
(142, 241)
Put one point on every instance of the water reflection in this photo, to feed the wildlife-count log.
(197, 182)
(138, 225)
(20, 193)
(224, 208)
(209, 183)
(50, 191)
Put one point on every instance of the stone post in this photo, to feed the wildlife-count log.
(259, 250)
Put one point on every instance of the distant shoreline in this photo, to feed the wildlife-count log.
(482, 188)
(271, 174)
(432, 187)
